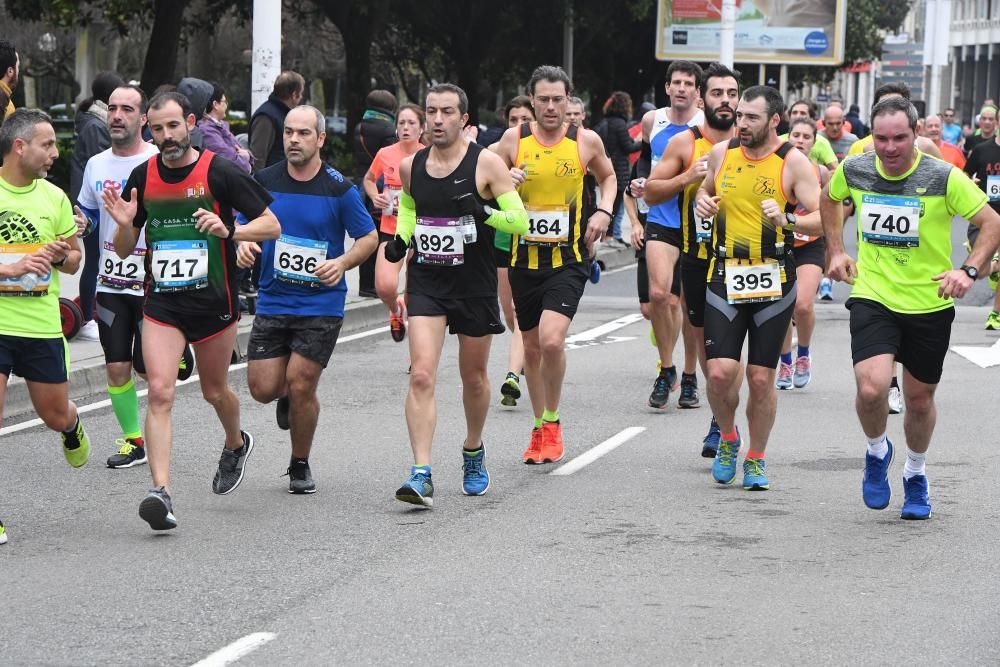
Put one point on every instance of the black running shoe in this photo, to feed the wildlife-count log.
(131, 452)
(186, 365)
(300, 479)
(281, 413)
(661, 392)
(689, 392)
(232, 465)
(157, 509)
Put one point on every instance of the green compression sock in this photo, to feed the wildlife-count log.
(538, 422)
(125, 403)
(550, 415)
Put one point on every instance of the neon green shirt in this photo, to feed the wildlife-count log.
(29, 218)
(904, 227)
(821, 153)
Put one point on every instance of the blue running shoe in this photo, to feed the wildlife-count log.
(595, 272)
(875, 486)
(710, 443)
(916, 498)
(754, 478)
(418, 489)
(724, 466)
(475, 476)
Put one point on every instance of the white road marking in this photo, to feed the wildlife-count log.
(90, 407)
(604, 329)
(627, 267)
(598, 451)
(984, 357)
(239, 648)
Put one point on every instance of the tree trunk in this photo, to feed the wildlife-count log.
(161, 55)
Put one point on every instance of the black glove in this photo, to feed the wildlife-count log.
(395, 250)
(468, 205)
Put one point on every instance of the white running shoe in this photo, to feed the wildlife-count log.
(89, 331)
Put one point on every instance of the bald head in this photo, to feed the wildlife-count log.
(833, 121)
(932, 128)
(305, 133)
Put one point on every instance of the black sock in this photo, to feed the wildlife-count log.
(894, 383)
(297, 461)
(664, 372)
(72, 442)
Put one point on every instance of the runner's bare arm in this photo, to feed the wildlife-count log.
(706, 201)
(370, 185)
(673, 173)
(264, 227)
(840, 265)
(806, 191)
(123, 213)
(599, 164)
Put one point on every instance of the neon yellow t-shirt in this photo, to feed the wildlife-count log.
(30, 217)
(904, 227)
(859, 146)
(821, 153)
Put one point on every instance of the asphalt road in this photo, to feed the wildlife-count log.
(637, 558)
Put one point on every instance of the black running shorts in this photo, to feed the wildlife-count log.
(727, 326)
(813, 252)
(119, 322)
(43, 360)
(558, 290)
(694, 277)
(196, 327)
(475, 317)
(312, 337)
(919, 342)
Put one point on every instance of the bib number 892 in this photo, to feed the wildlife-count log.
(752, 282)
(297, 263)
(432, 243)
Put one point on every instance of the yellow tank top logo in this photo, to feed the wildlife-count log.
(764, 186)
(566, 168)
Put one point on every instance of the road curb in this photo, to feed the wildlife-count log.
(88, 379)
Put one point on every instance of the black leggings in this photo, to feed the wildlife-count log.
(88, 276)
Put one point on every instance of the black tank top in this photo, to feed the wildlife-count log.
(438, 243)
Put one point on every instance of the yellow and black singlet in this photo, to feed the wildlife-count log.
(741, 231)
(697, 233)
(553, 197)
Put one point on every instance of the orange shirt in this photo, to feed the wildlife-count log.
(386, 164)
(953, 154)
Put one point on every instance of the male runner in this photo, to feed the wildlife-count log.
(455, 193)
(821, 153)
(302, 286)
(37, 235)
(662, 240)
(120, 282)
(903, 283)
(983, 166)
(184, 200)
(987, 128)
(833, 130)
(680, 174)
(550, 261)
(750, 187)
(949, 152)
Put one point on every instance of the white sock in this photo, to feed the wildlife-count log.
(878, 447)
(914, 464)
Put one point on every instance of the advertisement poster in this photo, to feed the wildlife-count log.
(792, 32)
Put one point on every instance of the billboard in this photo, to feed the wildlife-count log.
(790, 32)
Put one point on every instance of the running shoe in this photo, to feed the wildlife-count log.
(826, 289)
(186, 365)
(595, 272)
(76, 446)
(157, 509)
(710, 443)
(418, 489)
(247, 288)
(475, 476)
(875, 485)
(994, 279)
(300, 479)
(895, 400)
(3, 534)
(397, 325)
(232, 465)
(533, 454)
(724, 466)
(661, 392)
(785, 373)
(510, 390)
(131, 452)
(552, 442)
(803, 372)
(754, 475)
(993, 321)
(689, 392)
(281, 413)
(916, 498)
(89, 331)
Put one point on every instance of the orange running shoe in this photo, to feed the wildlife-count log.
(533, 454)
(397, 321)
(552, 442)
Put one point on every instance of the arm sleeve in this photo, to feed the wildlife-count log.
(511, 218)
(137, 180)
(838, 185)
(964, 197)
(406, 220)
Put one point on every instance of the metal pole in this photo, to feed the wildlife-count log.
(568, 41)
(727, 48)
(783, 81)
(266, 50)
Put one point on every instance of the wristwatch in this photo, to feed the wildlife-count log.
(970, 271)
(790, 220)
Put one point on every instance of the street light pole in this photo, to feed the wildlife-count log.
(727, 48)
(266, 50)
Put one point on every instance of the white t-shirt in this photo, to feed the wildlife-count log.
(107, 170)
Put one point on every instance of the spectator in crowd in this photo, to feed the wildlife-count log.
(267, 125)
(852, 120)
(198, 91)
(376, 130)
(215, 132)
(90, 138)
(10, 72)
(987, 130)
(619, 144)
(833, 127)
(951, 153)
(951, 132)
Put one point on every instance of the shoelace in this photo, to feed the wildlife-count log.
(127, 448)
(785, 372)
(713, 434)
(726, 453)
(802, 365)
(472, 465)
(418, 480)
(688, 390)
(662, 385)
(755, 467)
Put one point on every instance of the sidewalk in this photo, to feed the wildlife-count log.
(87, 377)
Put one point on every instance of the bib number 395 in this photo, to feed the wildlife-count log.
(180, 266)
(752, 281)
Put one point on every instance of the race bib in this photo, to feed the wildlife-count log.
(295, 259)
(703, 229)
(122, 274)
(993, 187)
(891, 221)
(180, 266)
(439, 241)
(29, 284)
(547, 227)
(752, 280)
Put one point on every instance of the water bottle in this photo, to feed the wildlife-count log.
(468, 225)
(388, 210)
(28, 281)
